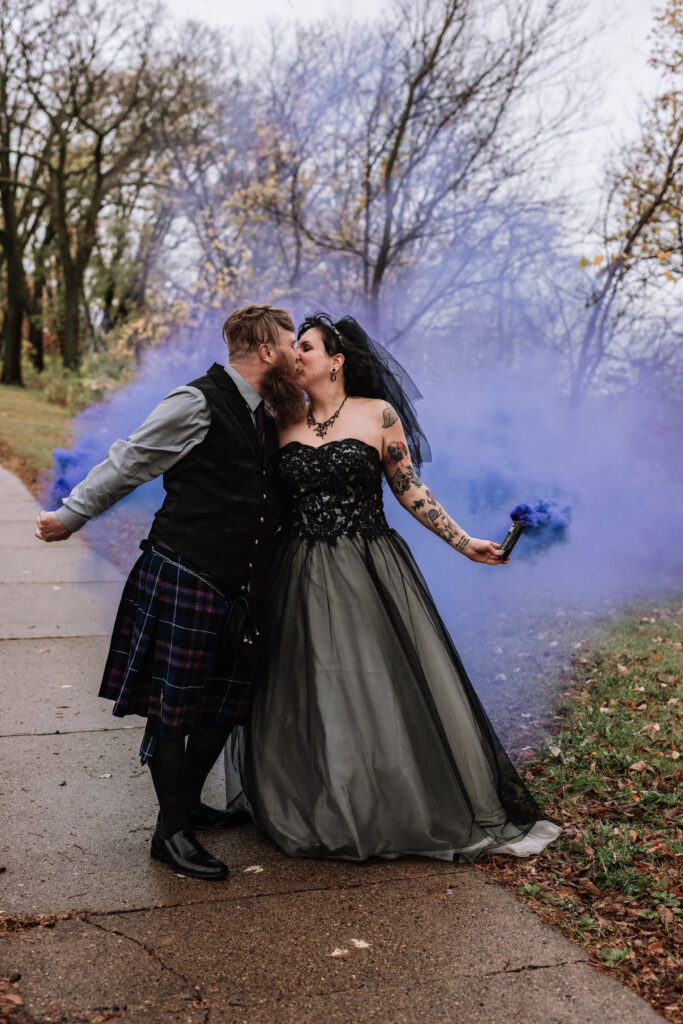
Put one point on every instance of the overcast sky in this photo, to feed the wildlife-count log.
(619, 50)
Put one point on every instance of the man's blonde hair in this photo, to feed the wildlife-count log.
(251, 326)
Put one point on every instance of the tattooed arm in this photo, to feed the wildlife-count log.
(416, 497)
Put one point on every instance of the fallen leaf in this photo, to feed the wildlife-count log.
(656, 947)
(623, 670)
(360, 943)
(638, 766)
(588, 886)
(253, 869)
(666, 850)
(340, 953)
(666, 914)
(107, 775)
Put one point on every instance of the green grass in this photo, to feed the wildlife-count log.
(30, 427)
(610, 770)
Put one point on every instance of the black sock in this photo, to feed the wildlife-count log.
(169, 776)
(203, 749)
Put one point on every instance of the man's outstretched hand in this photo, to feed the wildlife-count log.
(50, 527)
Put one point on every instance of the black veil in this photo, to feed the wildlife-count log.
(372, 372)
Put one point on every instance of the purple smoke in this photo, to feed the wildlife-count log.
(614, 464)
(546, 523)
(95, 429)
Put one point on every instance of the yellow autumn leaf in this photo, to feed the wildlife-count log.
(669, 276)
(598, 260)
(583, 262)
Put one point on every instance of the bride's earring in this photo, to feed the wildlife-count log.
(333, 375)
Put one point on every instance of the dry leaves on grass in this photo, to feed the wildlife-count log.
(612, 882)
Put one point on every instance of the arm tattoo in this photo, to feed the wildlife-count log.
(389, 417)
(402, 478)
(396, 452)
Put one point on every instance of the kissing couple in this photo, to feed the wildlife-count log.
(272, 595)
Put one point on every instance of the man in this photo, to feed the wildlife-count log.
(203, 556)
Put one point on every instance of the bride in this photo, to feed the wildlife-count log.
(366, 737)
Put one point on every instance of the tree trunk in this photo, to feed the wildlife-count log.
(11, 349)
(35, 328)
(71, 319)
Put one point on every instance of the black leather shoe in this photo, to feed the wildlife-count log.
(213, 818)
(183, 854)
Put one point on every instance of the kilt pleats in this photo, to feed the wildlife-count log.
(165, 661)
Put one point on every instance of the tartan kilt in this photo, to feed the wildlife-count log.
(164, 659)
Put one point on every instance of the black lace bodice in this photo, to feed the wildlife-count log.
(332, 490)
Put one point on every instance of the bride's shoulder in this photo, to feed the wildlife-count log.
(382, 412)
(377, 409)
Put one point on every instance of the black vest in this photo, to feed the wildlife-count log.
(219, 511)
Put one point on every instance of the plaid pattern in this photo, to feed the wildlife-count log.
(163, 660)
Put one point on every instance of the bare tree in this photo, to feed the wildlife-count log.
(25, 145)
(642, 226)
(95, 88)
(387, 145)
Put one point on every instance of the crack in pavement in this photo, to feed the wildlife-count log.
(18, 922)
(194, 992)
(70, 732)
(333, 886)
(151, 951)
(532, 967)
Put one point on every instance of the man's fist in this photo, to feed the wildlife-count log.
(50, 528)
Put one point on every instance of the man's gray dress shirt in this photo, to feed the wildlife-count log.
(173, 428)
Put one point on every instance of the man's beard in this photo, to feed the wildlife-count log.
(284, 399)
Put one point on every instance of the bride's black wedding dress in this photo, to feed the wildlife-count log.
(366, 736)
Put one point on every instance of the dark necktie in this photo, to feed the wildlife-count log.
(260, 417)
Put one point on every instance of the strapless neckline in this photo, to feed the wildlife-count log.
(331, 489)
(326, 444)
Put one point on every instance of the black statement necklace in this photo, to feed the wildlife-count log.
(321, 428)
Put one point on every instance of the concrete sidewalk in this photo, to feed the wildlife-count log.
(104, 933)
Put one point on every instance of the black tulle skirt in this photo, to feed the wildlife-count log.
(366, 737)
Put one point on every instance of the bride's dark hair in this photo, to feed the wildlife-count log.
(371, 372)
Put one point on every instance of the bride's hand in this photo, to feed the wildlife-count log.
(486, 551)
